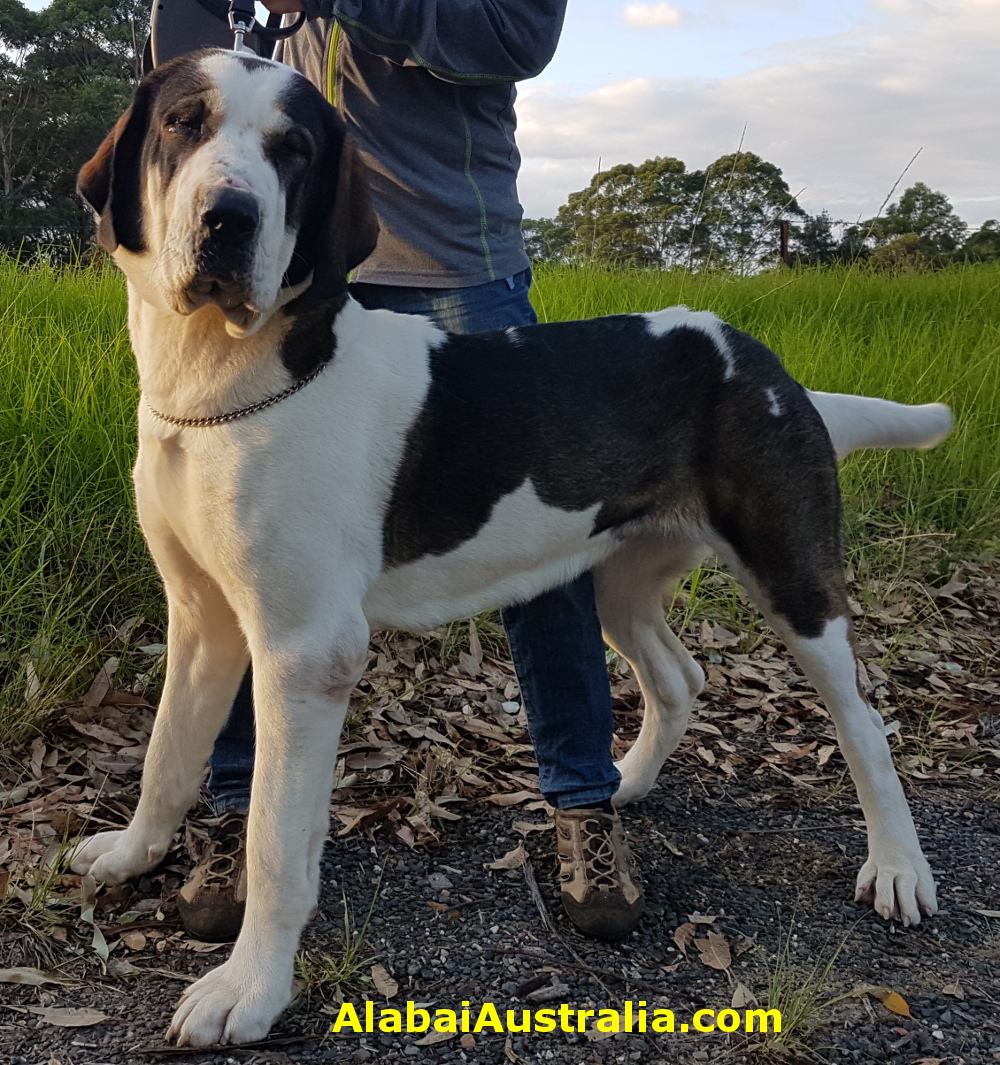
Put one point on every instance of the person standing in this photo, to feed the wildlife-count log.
(427, 90)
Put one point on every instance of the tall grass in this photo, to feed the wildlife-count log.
(72, 562)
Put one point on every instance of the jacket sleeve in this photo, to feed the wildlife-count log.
(464, 41)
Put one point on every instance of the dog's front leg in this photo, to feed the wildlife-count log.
(206, 657)
(302, 687)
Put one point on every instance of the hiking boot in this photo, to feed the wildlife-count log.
(599, 890)
(212, 899)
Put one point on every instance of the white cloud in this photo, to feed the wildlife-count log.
(641, 16)
(840, 115)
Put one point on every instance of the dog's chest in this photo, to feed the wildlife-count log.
(191, 491)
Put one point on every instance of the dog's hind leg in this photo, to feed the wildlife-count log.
(775, 504)
(896, 876)
(630, 587)
(303, 676)
(206, 658)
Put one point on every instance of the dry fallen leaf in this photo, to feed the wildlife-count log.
(384, 983)
(895, 1003)
(134, 940)
(684, 936)
(468, 1041)
(26, 975)
(101, 684)
(201, 947)
(375, 759)
(432, 1038)
(68, 1016)
(742, 996)
(513, 859)
(511, 798)
(714, 951)
(526, 827)
(823, 754)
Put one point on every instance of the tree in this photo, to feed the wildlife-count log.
(631, 215)
(814, 243)
(744, 199)
(901, 255)
(925, 213)
(546, 240)
(66, 74)
(984, 244)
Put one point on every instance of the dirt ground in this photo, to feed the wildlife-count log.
(748, 848)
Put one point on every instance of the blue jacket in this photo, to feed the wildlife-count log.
(427, 89)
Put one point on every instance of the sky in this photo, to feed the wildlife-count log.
(839, 94)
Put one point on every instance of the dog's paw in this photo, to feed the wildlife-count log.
(637, 781)
(898, 887)
(228, 1005)
(114, 857)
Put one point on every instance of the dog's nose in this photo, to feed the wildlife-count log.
(232, 217)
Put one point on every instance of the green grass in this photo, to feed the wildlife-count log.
(72, 562)
(333, 976)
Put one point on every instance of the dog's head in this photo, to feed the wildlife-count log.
(230, 182)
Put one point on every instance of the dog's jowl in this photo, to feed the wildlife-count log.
(309, 471)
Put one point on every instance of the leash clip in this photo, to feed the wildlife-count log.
(241, 22)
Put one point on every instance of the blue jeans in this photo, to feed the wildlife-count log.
(555, 640)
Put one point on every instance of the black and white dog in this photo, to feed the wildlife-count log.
(310, 471)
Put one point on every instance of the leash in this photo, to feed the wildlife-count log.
(253, 408)
(180, 26)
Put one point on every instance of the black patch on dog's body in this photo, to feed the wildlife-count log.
(311, 341)
(605, 413)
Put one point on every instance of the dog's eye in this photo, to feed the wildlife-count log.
(294, 147)
(185, 123)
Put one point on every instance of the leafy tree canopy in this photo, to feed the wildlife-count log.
(630, 215)
(660, 214)
(66, 74)
(925, 213)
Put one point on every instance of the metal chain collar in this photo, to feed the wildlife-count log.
(263, 404)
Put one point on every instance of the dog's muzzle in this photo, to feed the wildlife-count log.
(223, 276)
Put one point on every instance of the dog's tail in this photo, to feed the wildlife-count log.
(859, 421)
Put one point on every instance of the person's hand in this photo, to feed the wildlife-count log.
(283, 7)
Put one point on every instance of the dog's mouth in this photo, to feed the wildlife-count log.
(231, 295)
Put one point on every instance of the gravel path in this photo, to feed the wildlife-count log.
(772, 860)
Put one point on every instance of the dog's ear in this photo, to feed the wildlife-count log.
(337, 229)
(355, 227)
(111, 181)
